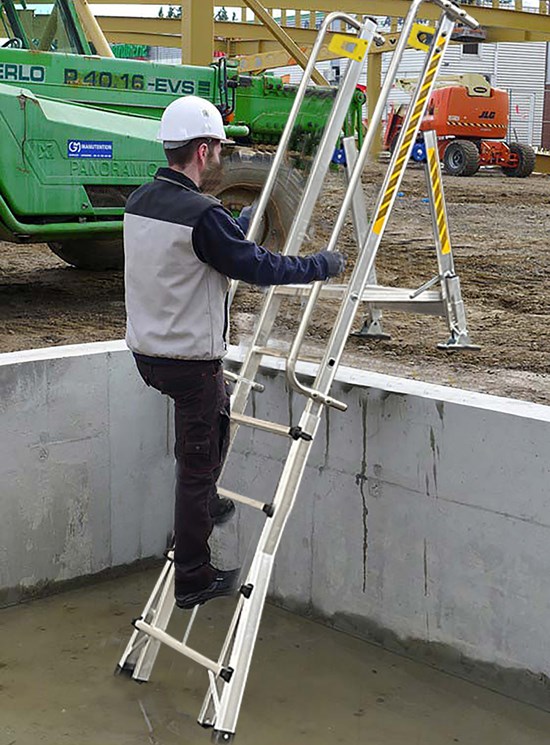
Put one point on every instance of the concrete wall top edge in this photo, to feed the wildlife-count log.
(68, 350)
(366, 379)
(346, 375)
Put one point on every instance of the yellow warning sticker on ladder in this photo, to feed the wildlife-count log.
(421, 36)
(438, 202)
(348, 46)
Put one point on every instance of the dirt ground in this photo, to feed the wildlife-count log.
(499, 232)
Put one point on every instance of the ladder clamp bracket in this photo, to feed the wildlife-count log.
(246, 590)
(269, 509)
(226, 673)
(297, 432)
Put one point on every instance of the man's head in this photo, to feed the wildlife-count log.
(192, 132)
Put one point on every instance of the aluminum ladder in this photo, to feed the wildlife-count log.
(228, 673)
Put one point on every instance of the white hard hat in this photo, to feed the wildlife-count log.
(188, 118)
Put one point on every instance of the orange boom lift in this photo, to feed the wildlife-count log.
(471, 121)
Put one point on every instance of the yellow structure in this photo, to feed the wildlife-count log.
(247, 37)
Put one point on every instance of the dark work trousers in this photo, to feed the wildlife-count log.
(201, 401)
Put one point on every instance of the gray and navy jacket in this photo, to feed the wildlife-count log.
(181, 247)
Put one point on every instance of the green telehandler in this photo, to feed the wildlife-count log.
(78, 134)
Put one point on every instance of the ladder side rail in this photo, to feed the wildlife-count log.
(367, 31)
(230, 700)
(160, 620)
(208, 709)
(130, 654)
(438, 208)
(289, 126)
(380, 218)
(323, 157)
(259, 577)
(246, 632)
(285, 495)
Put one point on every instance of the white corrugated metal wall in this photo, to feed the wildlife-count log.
(165, 55)
(521, 69)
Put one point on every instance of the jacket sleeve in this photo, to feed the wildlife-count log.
(219, 241)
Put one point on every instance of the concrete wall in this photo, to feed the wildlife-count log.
(423, 522)
(86, 469)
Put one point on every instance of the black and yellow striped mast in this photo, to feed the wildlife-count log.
(437, 204)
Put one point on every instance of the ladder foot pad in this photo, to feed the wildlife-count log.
(219, 736)
(127, 670)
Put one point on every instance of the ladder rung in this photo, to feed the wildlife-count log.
(165, 638)
(379, 293)
(272, 351)
(267, 508)
(398, 298)
(272, 427)
(295, 432)
(283, 354)
(234, 378)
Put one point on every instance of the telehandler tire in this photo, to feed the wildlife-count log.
(245, 173)
(96, 255)
(461, 158)
(526, 156)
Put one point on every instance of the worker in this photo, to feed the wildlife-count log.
(181, 248)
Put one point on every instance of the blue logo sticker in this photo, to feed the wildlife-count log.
(89, 149)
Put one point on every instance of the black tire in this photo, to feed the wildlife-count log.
(526, 156)
(91, 254)
(244, 176)
(461, 158)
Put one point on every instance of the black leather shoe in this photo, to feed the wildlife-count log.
(225, 583)
(221, 510)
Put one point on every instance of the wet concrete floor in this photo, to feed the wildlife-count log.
(308, 684)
